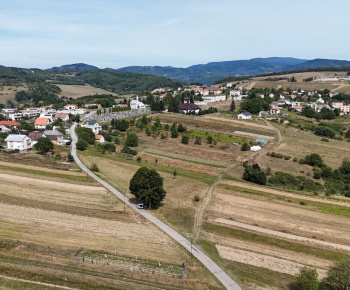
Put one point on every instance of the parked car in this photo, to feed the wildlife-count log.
(140, 206)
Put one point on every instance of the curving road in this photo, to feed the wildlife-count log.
(199, 254)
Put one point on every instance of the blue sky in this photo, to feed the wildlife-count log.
(180, 33)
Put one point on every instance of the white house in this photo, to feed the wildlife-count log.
(93, 125)
(245, 116)
(275, 111)
(136, 104)
(235, 93)
(320, 101)
(214, 98)
(22, 143)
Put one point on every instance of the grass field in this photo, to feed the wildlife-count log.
(46, 216)
(76, 91)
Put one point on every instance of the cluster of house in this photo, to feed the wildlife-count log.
(289, 100)
(25, 143)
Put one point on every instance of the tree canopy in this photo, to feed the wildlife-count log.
(147, 186)
(44, 145)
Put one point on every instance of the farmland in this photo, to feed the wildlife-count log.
(239, 224)
(45, 219)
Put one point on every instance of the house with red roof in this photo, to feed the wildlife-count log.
(99, 138)
(9, 123)
(41, 123)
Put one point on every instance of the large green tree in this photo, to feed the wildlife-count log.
(338, 277)
(232, 106)
(132, 140)
(86, 134)
(147, 186)
(307, 279)
(44, 145)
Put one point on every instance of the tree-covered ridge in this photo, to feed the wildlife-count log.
(107, 79)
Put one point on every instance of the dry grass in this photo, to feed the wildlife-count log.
(76, 91)
(9, 93)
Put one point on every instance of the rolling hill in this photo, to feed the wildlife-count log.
(214, 71)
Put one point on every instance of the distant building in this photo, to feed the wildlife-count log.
(93, 125)
(187, 107)
(41, 123)
(244, 116)
(214, 98)
(136, 104)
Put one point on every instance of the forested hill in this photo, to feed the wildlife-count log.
(108, 79)
(212, 72)
(74, 67)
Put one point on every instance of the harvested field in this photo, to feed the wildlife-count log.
(339, 201)
(253, 136)
(284, 235)
(292, 219)
(76, 91)
(264, 261)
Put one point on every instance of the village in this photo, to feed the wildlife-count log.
(45, 121)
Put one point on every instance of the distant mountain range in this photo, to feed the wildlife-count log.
(213, 71)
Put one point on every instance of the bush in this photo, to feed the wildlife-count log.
(254, 174)
(127, 150)
(324, 140)
(185, 139)
(132, 140)
(245, 147)
(82, 145)
(307, 279)
(198, 141)
(295, 159)
(174, 133)
(338, 277)
(286, 157)
(196, 198)
(139, 159)
(109, 147)
(209, 139)
(94, 167)
(70, 158)
(181, 128)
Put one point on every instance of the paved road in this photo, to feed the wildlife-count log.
(200, 255)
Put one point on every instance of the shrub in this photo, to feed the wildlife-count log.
(174, 133)
(198, 141)
(307, 279)
(181, 128)
(324, 140)
(286, 157)
(94, 167)
(254, 174)
(209, 139)
(132, 140)
(70, 157)
(138, 159)
(295, 159)
(245, 147)
(82, 145)
(185, 139)
(302, 203)
(109, 147)
(127, 150)
(196, 198)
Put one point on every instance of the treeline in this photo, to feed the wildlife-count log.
(336, 181)
(318, 69)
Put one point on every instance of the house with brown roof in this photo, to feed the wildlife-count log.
(35, 135)
(41, 123)
(187, 107)
(63, 116)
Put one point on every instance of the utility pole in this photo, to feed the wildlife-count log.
(124, 199)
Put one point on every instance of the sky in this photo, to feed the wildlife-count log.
(179, 33)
